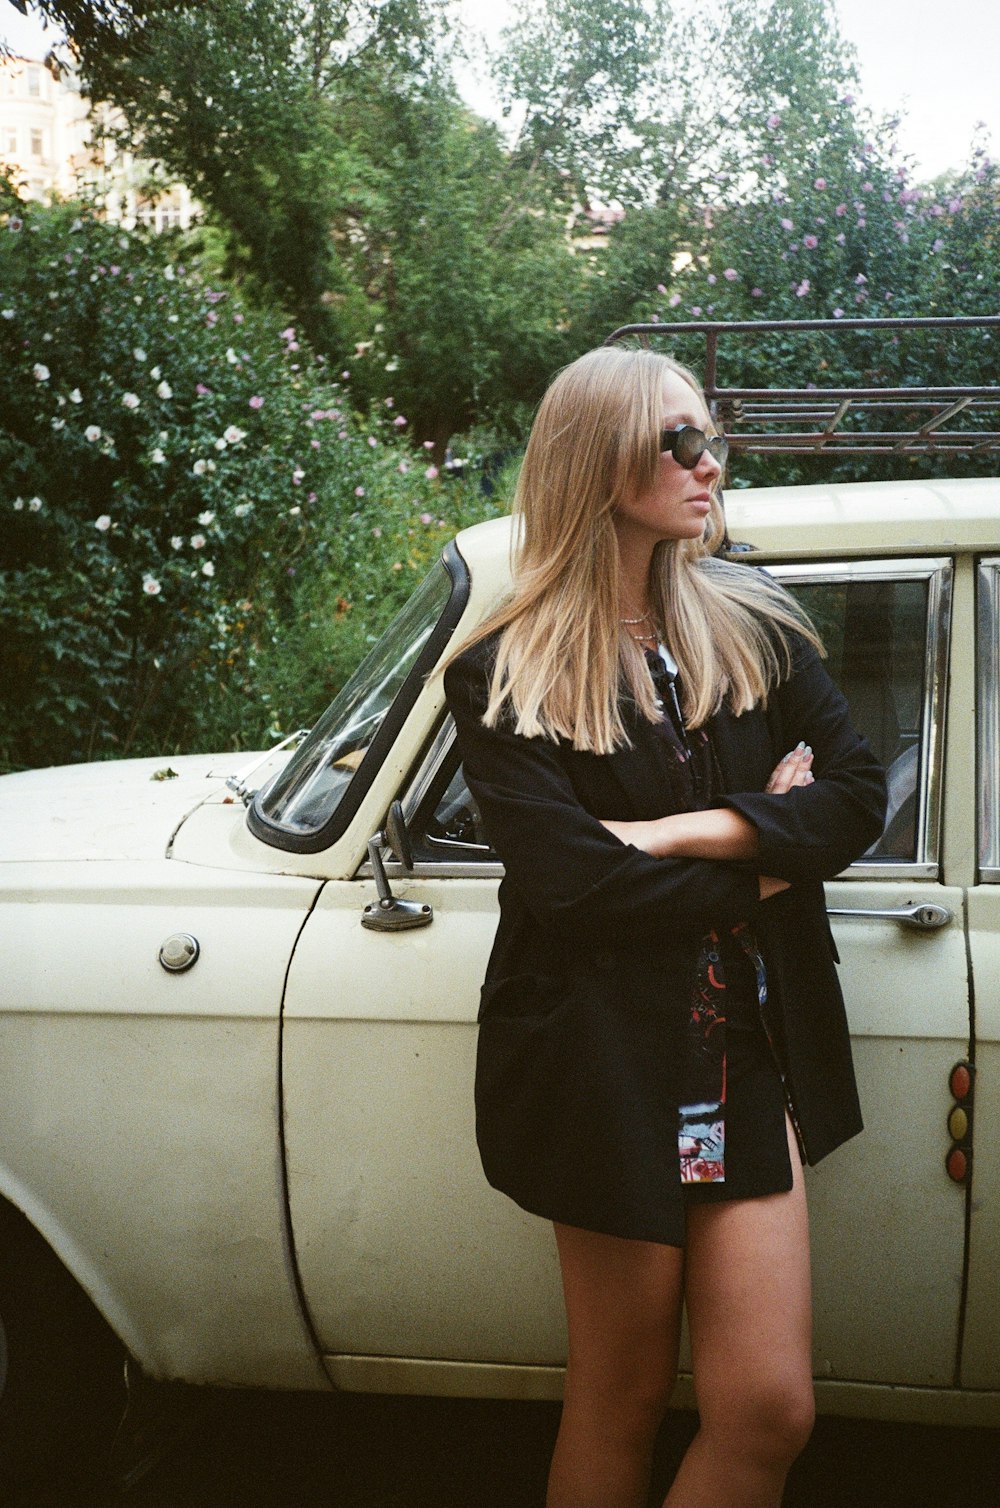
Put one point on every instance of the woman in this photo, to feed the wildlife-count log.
(662, 1038)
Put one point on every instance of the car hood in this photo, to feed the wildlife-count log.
(113, 809)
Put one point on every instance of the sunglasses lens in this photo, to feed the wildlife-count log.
(689, 447)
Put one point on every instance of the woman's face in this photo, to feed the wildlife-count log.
(678, 503)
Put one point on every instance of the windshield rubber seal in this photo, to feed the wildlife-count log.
(276, 836)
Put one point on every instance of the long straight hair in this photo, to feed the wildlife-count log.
(563, 659)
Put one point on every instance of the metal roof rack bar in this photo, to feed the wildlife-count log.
(767, 409)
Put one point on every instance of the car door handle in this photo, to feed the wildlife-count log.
(925, 916)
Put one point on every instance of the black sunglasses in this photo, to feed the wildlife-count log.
(687, 445)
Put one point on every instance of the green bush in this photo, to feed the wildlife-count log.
(200, 535)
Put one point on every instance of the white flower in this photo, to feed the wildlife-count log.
(164, 390)
(207, 568)
(297, 475)
(173, 318)
(220, 443)
(295, 511)
(242, 509)
(176, 542)
(158, 458)
(168, 274)
(92, 432)
(154, 372)
(34, 503)
(139, 354)
(76, 396)
(40, 372)
(6, 314)
(58, 423)
(231, 356)
(103, 523)
(19, 505)
(233, 435)
(206, 519)
(130, 400)
(198, 541)
(392, 366)
(150, 585)
(200, 467)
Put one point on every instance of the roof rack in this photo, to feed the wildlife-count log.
(808, 420)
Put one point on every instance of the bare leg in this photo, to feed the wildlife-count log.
(749, 1312)
(623, 1303)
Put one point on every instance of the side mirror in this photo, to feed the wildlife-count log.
(388, 914)
(399, 838)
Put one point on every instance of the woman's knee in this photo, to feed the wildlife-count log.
(631, 1399)
(772, 1419)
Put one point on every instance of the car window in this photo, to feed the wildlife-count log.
(308, 803)
(884, 626)
(988, 681)
(878, 632)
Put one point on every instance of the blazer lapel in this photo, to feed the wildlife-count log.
(743, 749)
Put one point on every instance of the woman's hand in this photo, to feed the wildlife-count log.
(795, 769)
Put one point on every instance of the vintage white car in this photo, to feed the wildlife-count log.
(238, 1018)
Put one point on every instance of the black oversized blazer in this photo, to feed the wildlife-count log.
(588, 988)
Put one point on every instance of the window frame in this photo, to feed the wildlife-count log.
(988, 718)
(938, 572)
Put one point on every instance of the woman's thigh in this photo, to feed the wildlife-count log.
(623, 1307)
(747, 1289)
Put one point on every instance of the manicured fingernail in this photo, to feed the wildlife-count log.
(808, 748)
(800, 746)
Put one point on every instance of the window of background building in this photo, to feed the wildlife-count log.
(36, 143)
(35, 82)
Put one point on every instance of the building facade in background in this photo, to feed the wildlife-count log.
(57, 146)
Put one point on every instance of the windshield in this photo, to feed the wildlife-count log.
(296, 810)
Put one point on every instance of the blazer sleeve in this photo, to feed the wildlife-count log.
(813, 832)
(570, 871)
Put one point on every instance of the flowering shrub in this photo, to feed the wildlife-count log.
(199, 534)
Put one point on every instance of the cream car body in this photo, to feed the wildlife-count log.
(263, 1169)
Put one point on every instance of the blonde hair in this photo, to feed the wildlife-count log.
(563, 658)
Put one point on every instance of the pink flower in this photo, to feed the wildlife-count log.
(426, 518)
(861, 278)
(377, 532)
(773, 122)
(674, 300)
(820, 184)
(938, 245)
(428, 444)
(201, 389)
(756, 293)
(696, 310)
(345, 375)
(730, 274)
(359, 492)
(712, 278)
(288, 334)
(256, 401)
(841, 210)
(431, 473)
(954, 205)
(787, 225)
(802, 289)
(867, 188)
(398, 422)
(314, 444)
(390, 402)
(660, 288)
(841, 240)
(403, 467)
(838, 313)
(862, 222)
(237, 319)
(211, 317)
(810, 242)
(847, 99)
(859, 298)
(372, 441)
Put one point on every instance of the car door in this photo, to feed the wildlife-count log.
(406, 1253)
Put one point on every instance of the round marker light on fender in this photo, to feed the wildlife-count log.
(687, 445)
